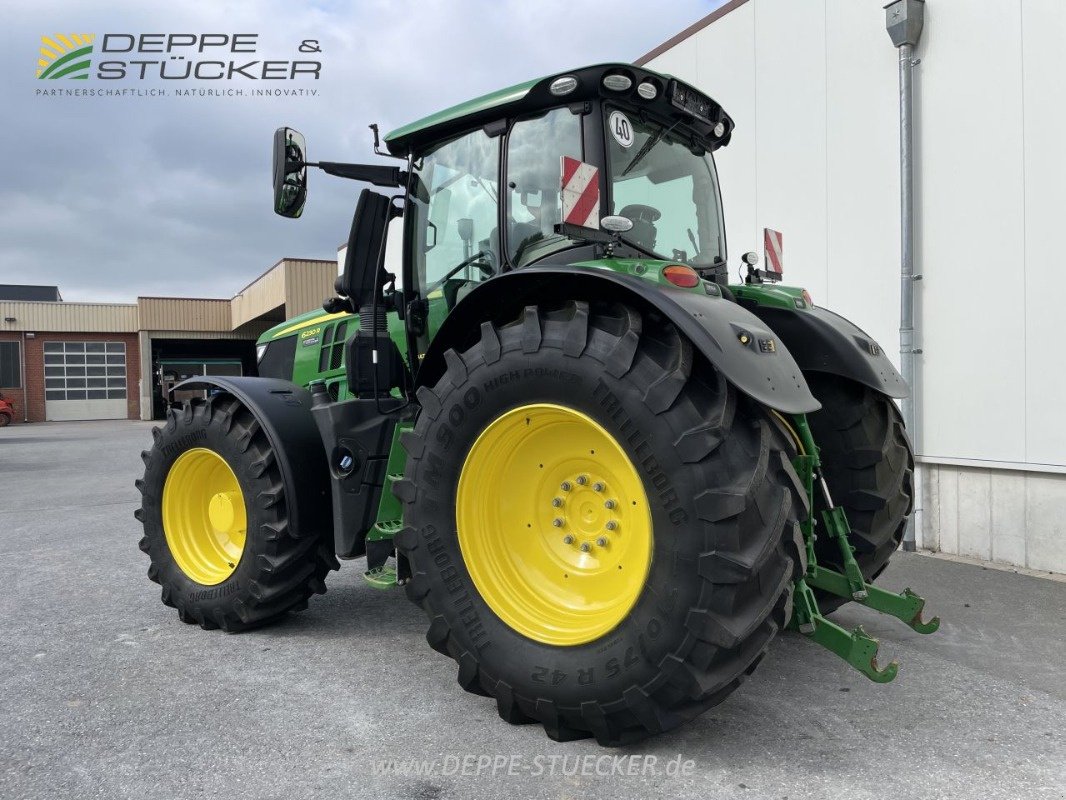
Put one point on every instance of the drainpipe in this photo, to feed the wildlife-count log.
(903, 20)
(25, 379)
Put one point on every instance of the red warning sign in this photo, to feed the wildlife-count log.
(773, 251)
(581, 193)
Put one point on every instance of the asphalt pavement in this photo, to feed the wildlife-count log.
(105, 693)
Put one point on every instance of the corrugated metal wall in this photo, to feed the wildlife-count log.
(183, 314)
(307, 283)
(261, 296)
(293, 285)
(74, 317)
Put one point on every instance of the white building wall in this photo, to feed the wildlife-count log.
(812, 86)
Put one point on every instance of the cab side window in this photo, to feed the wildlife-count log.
(534, 147)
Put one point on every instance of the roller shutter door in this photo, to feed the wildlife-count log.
(85, 380)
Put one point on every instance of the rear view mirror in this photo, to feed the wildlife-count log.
(290, 172)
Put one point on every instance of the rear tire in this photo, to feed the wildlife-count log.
(277, 569)
(724, 507)
(869, 468)
(5, 419)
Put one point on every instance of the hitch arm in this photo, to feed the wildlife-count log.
(906, 606)
(856, 647)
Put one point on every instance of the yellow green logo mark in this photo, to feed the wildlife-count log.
(65, 55)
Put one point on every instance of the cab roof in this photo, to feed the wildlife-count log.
(535, 95)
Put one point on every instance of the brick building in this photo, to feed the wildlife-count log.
(79, 361)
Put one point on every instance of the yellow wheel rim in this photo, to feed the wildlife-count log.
(554, 525)
(204, 517)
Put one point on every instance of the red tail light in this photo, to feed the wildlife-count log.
(680, 275)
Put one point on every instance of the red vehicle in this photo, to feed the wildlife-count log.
(7, 412)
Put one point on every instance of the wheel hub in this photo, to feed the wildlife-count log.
(587, 516)
(222, 511)
(204, 516)
(554, 524)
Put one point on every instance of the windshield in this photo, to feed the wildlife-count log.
(668, 187)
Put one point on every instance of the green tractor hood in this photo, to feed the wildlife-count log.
(292, 326)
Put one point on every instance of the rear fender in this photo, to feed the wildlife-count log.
(822, 341)
(742, 347)
(283, 409)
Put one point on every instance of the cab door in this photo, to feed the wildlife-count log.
(453, 228)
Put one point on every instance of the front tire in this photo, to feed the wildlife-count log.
(216, 525)
(711, 514)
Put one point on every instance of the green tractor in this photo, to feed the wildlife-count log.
(597, 466)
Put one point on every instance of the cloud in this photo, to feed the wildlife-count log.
(114, 197)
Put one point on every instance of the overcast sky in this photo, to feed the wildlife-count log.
(110, 198)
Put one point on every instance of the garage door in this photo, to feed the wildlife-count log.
(85, 380)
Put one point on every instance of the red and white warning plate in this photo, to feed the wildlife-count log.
(773, 250)
(581, 193)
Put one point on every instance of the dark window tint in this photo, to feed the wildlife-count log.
(10, 365)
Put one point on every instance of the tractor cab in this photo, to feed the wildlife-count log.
(612, 140)
(524, 177)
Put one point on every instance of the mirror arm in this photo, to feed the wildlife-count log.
(377, 144)
(370, 173)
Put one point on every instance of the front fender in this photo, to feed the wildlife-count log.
(742, 347)
(822, 341)
(283, 410)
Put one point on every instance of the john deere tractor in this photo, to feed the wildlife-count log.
(608, 477)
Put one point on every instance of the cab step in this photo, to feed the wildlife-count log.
(383, 577)
(388, 527)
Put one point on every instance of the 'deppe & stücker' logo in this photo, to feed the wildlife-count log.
(65, 55)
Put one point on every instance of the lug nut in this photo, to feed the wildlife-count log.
(609, 504)
(601, 542)
(585, 547)
(565, 486)
(568, 539)
(597, 487)
(558, 523)
(582, 480)
(556, 502)
(611, 525)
